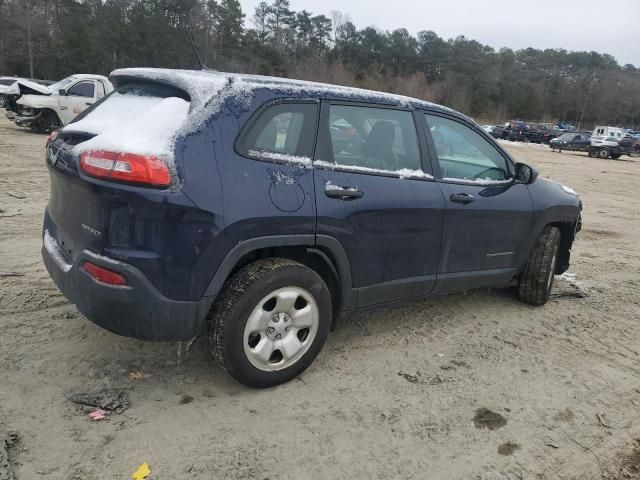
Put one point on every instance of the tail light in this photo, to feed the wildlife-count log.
(126, 167)
(52, 136)
(104, 275)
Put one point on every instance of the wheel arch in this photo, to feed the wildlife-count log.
(323, 254)
(51, 110)
(567, 235)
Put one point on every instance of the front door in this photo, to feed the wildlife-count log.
(488, 217)
(78, 98)
(374, 194)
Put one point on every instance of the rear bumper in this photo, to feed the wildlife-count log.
(137, 310)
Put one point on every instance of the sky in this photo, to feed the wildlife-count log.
(611, 26)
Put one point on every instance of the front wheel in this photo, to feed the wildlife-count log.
(45, 122)
(270, 322)
(603, 153)
(535, 282)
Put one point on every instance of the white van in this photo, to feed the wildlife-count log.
(606, 136)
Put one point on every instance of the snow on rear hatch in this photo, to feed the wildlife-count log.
(130, 123)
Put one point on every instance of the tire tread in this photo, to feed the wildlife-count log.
(532, 285)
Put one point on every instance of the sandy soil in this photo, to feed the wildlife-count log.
(463, 386)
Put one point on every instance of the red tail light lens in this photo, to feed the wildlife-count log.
(104, 275)
(126, 167)
(52, 136)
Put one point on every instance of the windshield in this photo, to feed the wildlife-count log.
(61, 84)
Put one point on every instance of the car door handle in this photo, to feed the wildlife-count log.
(462, 198)
(342, 193)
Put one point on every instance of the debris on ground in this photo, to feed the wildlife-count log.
(408, 378)
(142, 472)
(508, 448)
(112, 399)
(6, 441)
(485, 418)
(567, 285)
(548, 441)
(18, 213)
(17, 195)
(139, 375)
(98, 414)
(11, 274)
(604, 422)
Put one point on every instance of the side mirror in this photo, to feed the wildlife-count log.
(62, 92)
(525, 174)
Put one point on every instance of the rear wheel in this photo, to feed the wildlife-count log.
(615, 156)
(534, 285)
(603, 153)
(592, 153)
(270, 322)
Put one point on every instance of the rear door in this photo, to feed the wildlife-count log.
(375, 195)
(487, 217)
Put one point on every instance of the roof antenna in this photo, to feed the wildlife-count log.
(187, 32)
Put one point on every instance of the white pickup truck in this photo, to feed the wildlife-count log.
(44, 108)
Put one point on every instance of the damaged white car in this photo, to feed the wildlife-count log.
(45, 108)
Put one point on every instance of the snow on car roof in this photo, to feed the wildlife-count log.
(160, 124)
(199, 83)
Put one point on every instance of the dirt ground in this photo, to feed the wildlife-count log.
(465, 386)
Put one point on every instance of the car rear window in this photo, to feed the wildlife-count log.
(136, 118)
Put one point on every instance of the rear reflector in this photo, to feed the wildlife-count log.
(126, 167)
(104, 276)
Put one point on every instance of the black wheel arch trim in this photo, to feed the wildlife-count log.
(327, 246)
(569, 216)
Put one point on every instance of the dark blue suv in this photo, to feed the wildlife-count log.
(257, 209)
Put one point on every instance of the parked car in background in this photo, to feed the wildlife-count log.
(494, 130)
(630, 144)
(232, 204)
(602, 141)
(571, 141)
(42, 108)
(515, 131)
(9, 87)
(497, 132)
(544, 135)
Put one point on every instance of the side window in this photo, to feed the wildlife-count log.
(100, 90)
(463, 154)
(377, 138)
(82, 89)
(286, 129)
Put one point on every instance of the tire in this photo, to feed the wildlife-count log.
(603, 153)
(591, 153)
(615, 156)
(256, 311)
(536, 281)
(47, 120)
